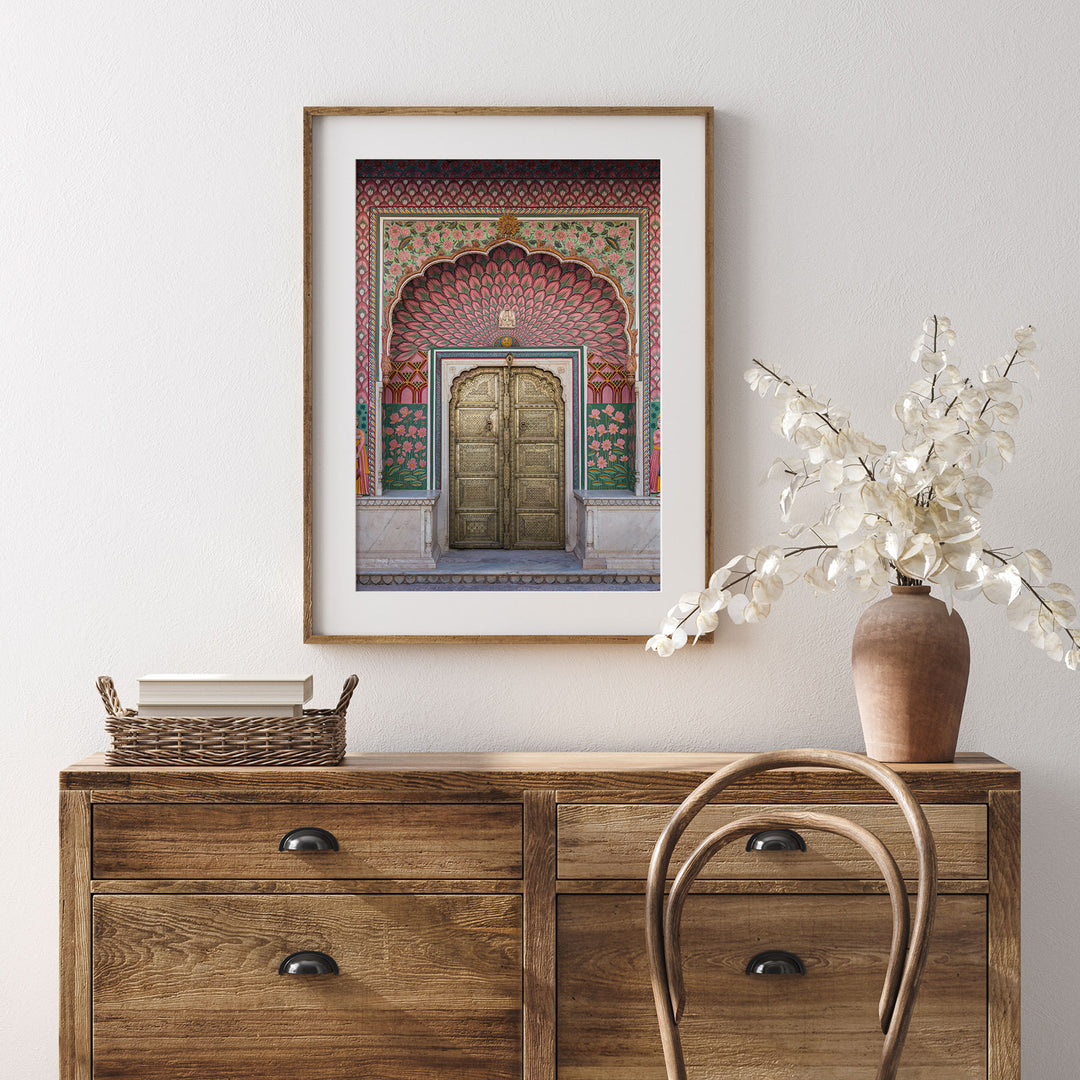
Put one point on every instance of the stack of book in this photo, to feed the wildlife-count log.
(223, 695)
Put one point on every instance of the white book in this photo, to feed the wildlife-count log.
(232, 709)
(225, 690)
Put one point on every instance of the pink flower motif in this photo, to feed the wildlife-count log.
(620, 442)
(412, 429)
(400, 459)
(609, 409)
(412, 463)
(601, 463)
(606, 444)
(407, 446)
(400, 429)
(595, 444)
(620, 417)
(393, 444)
(394, 417)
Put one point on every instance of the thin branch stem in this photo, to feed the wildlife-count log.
(903, 579)
(697, 607)
(1008, 368)
(1034, 592)
(822, 416)
(933, 383)
(948, 408)
(750, 573)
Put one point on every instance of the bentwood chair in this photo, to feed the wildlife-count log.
(663, 917)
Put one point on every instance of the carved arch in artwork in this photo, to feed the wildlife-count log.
(558, 301)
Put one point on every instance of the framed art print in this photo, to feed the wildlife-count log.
(507, 324)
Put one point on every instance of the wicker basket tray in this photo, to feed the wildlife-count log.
(316, 738)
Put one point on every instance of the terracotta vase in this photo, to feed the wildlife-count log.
(910, 659)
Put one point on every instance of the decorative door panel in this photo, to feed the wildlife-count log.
(537, 459)
(476, 472)
(507, 482)
(536, 456)
(537, 521)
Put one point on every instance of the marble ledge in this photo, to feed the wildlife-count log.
(615, 497)
(399, 498)
(618, 531)
(396, 530)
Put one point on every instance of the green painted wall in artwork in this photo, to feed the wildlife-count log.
(609, 437)
(404, 447)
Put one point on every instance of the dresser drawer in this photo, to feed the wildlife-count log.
(817, 1026)
(599, 841)
(381, 840)
(187, 987)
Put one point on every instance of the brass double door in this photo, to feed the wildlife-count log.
(507, 453)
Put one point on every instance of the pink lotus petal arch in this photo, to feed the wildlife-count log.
(556, 303)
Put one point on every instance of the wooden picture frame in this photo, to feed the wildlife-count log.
(535, 266)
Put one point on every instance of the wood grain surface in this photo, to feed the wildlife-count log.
(539, 983)
(764, 886)
(377, 840)
(189, 986)
(616, 841)
(308, 886)
(585, 777)
(1004, 936)
(819, 1026)
(75, 936)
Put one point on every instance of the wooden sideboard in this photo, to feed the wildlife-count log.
(486, 914)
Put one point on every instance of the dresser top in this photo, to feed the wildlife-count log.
(606, 775)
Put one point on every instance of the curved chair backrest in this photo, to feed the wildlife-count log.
(907, 956)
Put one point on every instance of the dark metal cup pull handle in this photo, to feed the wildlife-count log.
(775, 962)
(776, 840)
(308, 963)
(308, 839)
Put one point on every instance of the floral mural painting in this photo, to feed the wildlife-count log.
(610, 433)
(405, 431)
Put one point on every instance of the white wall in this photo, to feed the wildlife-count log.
(875, 163)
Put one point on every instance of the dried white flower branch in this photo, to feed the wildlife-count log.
(911, 515)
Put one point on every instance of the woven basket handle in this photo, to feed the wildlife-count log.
(346, 695)
(108, 695)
